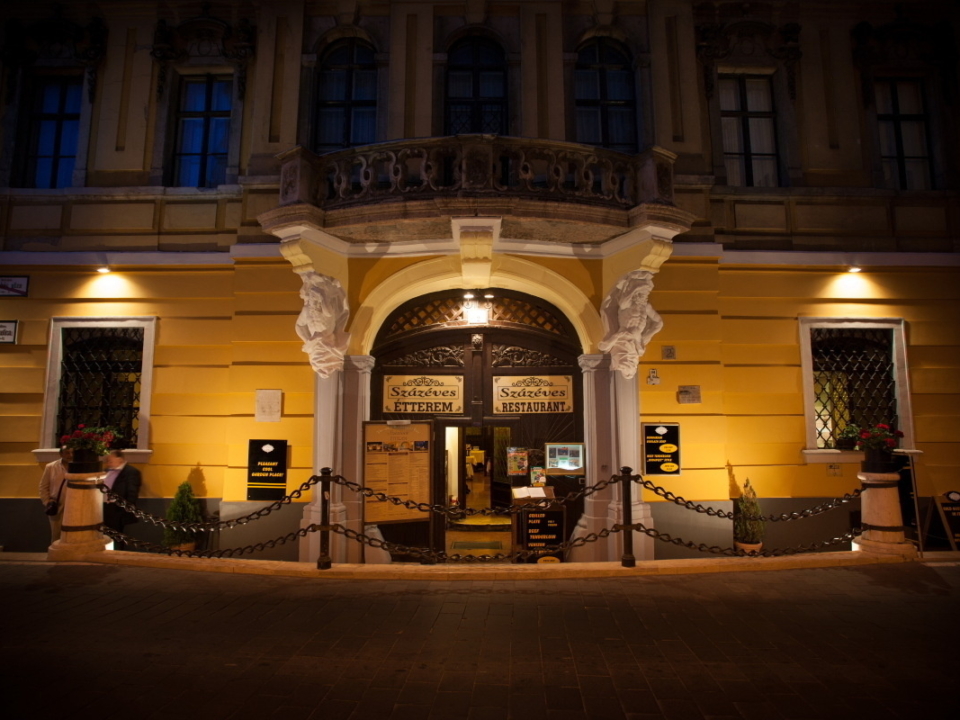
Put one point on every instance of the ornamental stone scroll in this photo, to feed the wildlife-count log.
(629, 321)
(322, 321)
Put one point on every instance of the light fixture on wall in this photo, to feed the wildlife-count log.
(854, 269)
(476, 306)
(103, 269)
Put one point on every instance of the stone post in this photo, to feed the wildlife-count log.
(882, 518)
(82, 517)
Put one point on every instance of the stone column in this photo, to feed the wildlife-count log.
(598, 435)
(882, 518)
(626, 398)
(82, 517)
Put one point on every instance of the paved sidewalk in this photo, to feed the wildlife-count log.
(112, 641)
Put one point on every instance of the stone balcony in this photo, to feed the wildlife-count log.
(542, 189)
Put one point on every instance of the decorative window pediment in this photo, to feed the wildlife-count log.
(204, 38)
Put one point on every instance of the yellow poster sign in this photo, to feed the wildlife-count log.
(438, 394)
(529, 394)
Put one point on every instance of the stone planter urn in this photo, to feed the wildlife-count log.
(877, 460)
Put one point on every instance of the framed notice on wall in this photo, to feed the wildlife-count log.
(565, 458)
(661, 448)
(397, 461)
(266, 469)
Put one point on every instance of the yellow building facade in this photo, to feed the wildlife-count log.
(682, 186)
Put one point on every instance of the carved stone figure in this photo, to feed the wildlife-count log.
(322, 321)
(629, 321)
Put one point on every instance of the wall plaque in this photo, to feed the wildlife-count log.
(14, 285)
(530, 394)
(436, 394)
(8, 331)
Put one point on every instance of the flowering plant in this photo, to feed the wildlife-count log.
(878, 437)
(97, 439)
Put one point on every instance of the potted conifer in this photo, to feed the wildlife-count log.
(185, 508)
(748, 528)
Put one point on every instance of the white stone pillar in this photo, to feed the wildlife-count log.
(326, 453)
(356, 411)
(82, 517)
(626, 399)
(598, 435)
(881, 516)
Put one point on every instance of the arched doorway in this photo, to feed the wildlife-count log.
(495, 338)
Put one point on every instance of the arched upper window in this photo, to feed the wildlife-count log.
(346, 97)
(476, 97)
(605, 96)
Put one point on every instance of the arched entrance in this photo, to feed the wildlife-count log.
(496, 338)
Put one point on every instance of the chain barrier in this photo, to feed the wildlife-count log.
(714, 512)
(209, 526)
(455, 512)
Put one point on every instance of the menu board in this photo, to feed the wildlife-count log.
(397, 462)
(542, 528)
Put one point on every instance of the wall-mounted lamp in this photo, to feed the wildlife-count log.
(475, 311)
(854, 269)
(103, 270)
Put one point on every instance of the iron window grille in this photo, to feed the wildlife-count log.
(903, 128)
(101, 372)
(605, 97)
(854, 380)
(748, 125)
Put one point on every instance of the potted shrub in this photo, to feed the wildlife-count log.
(185, 508)
(748, 529)
(847, 438)
(877, 443)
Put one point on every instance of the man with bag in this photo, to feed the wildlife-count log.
(124, 481)
(53, 491)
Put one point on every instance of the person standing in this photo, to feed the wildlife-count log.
(123, 480)
(53, 489)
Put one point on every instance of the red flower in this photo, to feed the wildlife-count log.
(865, 434)
(898, 433)
(891, 442)
(80, 427)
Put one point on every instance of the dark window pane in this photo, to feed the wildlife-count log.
(476, 88)
(68, 138)
(50, 98)
(729, 93)
(73, 97)
(219, 139)
(44, 173)
(586, 85)
(758, 95)
(216, 170)
(363, 126)
(909, 98)
(191, 135)
(918, 174)
(65, 173)
(460, 85)
(333, 85)
(330, 131)
(914, 139)
(47, 138)
(588, 125)
(365, 85)
(188, 171)
(194, 96)
(622, 129)
(748, 129)
(491, 84)
(222, 98)
(619, 85)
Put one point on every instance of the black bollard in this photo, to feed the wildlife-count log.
(628, 560)
(324, 562)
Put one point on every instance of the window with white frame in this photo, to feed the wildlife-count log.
(854, 373)
(99, 373)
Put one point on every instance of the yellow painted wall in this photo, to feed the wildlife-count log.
(222, 334)
(736, 334)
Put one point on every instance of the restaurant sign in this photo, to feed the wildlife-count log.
(525, 395)
(437, 394)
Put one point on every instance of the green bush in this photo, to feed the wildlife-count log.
(747, 506)
(185, 508)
